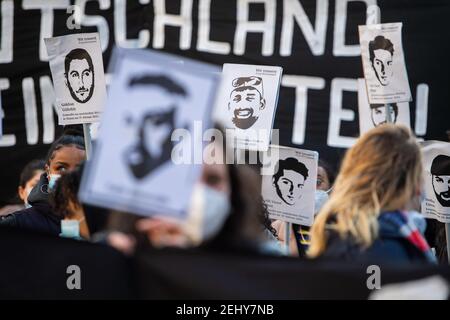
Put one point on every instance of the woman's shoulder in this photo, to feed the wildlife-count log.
(34, 218)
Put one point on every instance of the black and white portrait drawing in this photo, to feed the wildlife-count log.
(289, 180)
(246, 101)
(384, 63)
(153, 146)
(289, 184)
(378, 113)
(76, 63)
(374, 115)
(381, 52)
(79, 75)
(145, 161)
(246, 104)
(440, 175)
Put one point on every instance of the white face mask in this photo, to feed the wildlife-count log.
(207, 214)
(321, 197)
(70, 228)
(52, 178)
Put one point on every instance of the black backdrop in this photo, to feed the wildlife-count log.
(34, 266)
(425, 40)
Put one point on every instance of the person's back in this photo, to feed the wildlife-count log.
(365, 217)
(390, 246)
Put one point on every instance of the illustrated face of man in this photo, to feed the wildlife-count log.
(80, 80)
(156, 127)
(289, 186)
(382, 64)
(378, 115)
(441, 186)
(245, 107)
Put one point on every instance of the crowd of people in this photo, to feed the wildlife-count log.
(369, 208)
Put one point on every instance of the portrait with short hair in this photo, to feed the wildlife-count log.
(435, 191)
(289, 184)
(76, 64)
(246, 104)
(152, 146)
(79, 74)
(440, 177)
(381, 53)
(289, 180)
(378, 113)
(384, 63)
(246, 101)
(149, 152)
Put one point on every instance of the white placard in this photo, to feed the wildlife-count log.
(384, 63)
(372, 115)
(290, 192)
(76, 64)
(246, 103)
(134, 166)
(436, 159)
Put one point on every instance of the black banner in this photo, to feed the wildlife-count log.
(38, 266)
(316, 43)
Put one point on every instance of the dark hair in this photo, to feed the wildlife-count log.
(77, 54)
(161, 81)
(240, 89)
(290, 164)
(329, 170)
(29, 171)
(440, 166)
(70, 137)
(248, 217)
(66, 189)
(380, 42)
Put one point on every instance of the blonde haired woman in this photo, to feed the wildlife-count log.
(366, 216)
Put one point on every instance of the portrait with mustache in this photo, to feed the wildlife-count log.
(79, 75)
(440, 175)
(156, 101)
(246, 101)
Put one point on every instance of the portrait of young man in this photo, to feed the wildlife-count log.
(440, 175)
(378, 113)
(289, 179)
(246, 101)
(79, 75)
(381, 52)
(153, 146)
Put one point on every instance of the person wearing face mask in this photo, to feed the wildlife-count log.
(226, 213)
(299, 235)
(29, 177)
(65, 154)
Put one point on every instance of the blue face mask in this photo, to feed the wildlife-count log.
(70, 229)
(321, 197)
(52, 178)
